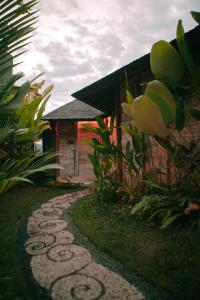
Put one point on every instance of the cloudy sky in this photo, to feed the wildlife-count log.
(80, 41)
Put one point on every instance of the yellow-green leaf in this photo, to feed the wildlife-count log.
(166, 62)
(163, 98)
(127, 108)
(148, 118)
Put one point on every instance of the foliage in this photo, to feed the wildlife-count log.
(105, 159)
(167, 209)
(166, 63)
(21, 107)
(132, 184)
(147, 116)
(169, 259)
(170, 99)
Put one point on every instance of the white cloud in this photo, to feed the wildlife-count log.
(78, 42)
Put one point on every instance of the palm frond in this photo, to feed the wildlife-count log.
(5, 132)
(16, 23)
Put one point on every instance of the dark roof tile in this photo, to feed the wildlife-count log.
(74, 110)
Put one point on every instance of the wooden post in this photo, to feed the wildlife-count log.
(57, 125)
(76, 144)
(117, 102)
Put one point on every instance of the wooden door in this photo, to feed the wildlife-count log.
(67, 149)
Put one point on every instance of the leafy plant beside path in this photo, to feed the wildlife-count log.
(21, 107)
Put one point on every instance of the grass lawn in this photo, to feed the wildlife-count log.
(169, 259)
(13, 206)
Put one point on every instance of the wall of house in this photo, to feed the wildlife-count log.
(85, 167)
(73, 149)
(66, 145)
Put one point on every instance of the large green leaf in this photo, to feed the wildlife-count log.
(146, 116)
(28, 113)
(187, 56)
(127, 108)
(162, 97)
(166, 63)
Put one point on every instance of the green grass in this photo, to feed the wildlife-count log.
(169, 259)
(13, 206)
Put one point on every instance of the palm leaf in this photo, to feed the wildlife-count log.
(5, 132)
(15, 23)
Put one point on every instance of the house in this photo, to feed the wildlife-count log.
(67, 137)
(108, 93)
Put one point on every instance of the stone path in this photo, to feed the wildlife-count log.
(66, 270)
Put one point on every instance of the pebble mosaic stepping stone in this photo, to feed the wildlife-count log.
(65, 269)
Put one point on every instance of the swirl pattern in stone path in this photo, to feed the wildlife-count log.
(65, 269)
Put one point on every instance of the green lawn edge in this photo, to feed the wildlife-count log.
(169, 259)
(16, 280)
(103, 256)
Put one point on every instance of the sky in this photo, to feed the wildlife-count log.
(80, 41)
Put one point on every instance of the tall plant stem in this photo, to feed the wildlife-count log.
(152, 159)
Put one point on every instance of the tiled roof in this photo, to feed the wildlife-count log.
(74, 110)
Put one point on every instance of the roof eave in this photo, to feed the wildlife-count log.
(93, 93)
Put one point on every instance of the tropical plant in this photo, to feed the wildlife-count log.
(105, 159)
(168, 209)
(167, 104)
(21, 107)
(167, 99)
(131, 186)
